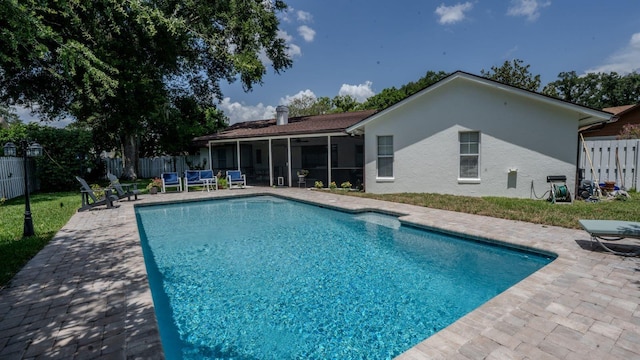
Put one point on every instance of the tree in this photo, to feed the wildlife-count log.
(344, 103)
(302, 105)
(390, 96)
(630, 131)
(596, 90)
(7, 116)
(514, 74)
(114, 64)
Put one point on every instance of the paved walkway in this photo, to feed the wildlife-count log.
(85, 295)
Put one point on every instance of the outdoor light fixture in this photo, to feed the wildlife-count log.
(28, 150)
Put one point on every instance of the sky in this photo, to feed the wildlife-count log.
(360, 47)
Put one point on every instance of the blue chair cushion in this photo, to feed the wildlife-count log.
(170, 178)
(234, 175)
(192, 176)
(206, 174)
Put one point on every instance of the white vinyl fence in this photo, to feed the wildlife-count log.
(12, 171)
(12, 177)
(153, 167)
(611, 160)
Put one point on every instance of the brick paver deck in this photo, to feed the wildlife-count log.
(85, 295)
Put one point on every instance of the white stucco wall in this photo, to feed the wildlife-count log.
(516, 132)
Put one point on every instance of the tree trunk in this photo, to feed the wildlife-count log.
(130, 157)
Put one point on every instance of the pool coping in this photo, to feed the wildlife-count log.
(86, 295)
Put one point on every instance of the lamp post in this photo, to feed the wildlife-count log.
(28, 150)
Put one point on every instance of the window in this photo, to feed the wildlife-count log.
(385, 156)
(469, 155)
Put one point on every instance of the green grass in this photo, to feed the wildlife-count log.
(534, 211)
(50, 211)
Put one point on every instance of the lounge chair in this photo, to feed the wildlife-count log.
(171, 179)
(123, 190)
(204, 178)
(235, 177)
(612, 230)
(91, 200)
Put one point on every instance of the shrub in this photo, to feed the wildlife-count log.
(333, 185)
(346, 185)
(319, 184)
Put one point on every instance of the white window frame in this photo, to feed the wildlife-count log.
(466, 150)
(385, 155)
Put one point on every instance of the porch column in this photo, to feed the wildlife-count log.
(328, 160)
(289, 160)
(210, 156)
(270, 164)
(238, 152)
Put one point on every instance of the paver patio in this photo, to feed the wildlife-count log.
(85, 295)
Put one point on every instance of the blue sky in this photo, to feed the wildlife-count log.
(358, 47)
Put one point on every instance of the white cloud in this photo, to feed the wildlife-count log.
(359, 92)
(26, 116)
(304, 16)
(528, 8)
(237, 112)
(452, 14)
(624, 61)
(307, 33)
(303, 93)
(292, 49)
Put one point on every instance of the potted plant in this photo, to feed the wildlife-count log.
(154, 186)
(303, 173)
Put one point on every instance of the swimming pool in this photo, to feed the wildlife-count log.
(268, 278)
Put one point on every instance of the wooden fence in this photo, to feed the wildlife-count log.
(12, 177)
(611, 160)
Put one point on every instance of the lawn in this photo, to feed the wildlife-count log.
(534, 211)
(50, 211)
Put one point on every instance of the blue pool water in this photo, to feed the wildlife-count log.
(268, 278)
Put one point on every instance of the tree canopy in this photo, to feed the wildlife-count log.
(126, 67)
(515, 74)
(596, 90)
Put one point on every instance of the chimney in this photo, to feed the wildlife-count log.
(282, 115)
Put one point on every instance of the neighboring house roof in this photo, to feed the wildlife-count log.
(587, 115)
(301, 125)
(622, 115)
(617, 110)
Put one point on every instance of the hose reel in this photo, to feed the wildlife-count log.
(559, 191)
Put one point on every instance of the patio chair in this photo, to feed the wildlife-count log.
(171, 179)
(123, 190)
(612, 230)
(91, 200)
(235, 177)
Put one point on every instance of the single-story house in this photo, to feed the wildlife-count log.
(464, 135)
(623, 115)
(468, 135)
(273, 151)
